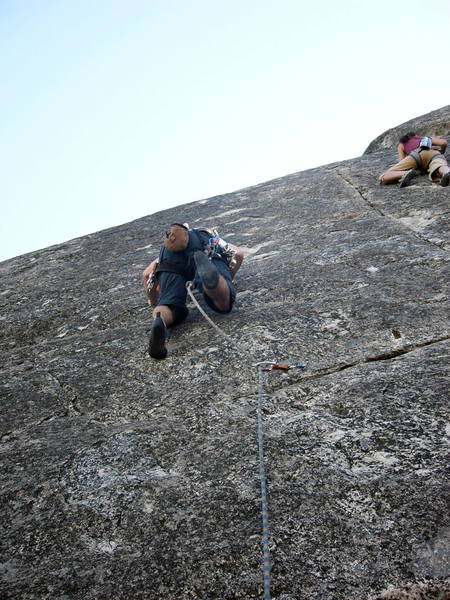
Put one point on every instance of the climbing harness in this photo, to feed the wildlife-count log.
(263, 368)
(426, 143)
(416, 156)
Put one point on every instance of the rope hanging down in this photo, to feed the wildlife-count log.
(267, 559)
(263, 368)
(190, 286)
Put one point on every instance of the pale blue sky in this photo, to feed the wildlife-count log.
(112, 110)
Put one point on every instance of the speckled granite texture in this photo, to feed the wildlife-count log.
(126, 478)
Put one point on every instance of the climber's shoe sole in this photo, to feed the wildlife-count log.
(157, 343)
(408, 177)
(206, 270)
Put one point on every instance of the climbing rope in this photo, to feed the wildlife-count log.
(267, 559)
(263, 368)
(190, 286)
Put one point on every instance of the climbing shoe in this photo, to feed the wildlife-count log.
(157, 343)
(408, 177)
(445, 180)
(206, 270)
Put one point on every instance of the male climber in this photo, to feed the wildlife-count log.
(197, 255)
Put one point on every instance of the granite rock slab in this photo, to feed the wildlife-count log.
(124, 477)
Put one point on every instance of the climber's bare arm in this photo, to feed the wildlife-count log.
(441, 143)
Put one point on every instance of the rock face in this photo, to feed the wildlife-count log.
(123, 477)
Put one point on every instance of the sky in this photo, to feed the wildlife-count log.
(116, 109)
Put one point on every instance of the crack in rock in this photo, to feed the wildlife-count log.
(401, 220)
(393, 354)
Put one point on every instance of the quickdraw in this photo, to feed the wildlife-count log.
(264, 367)
(274, 367)
(151, 281)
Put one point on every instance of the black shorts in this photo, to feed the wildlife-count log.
(173, 291)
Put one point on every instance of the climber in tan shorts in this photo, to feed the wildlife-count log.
(418, 155)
